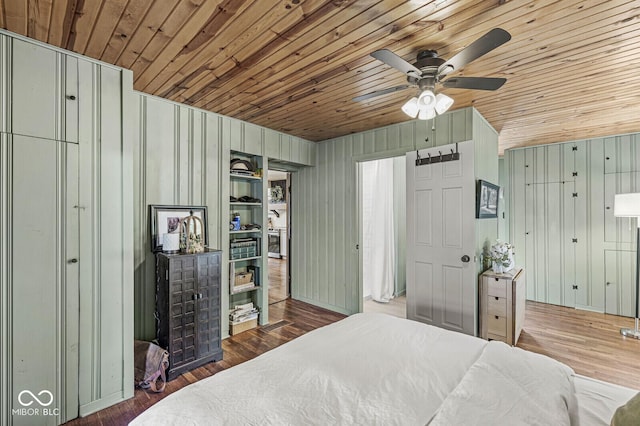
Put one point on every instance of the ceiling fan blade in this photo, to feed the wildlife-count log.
(381, 92)
(395, 61)
(477, 83)
(485, 44)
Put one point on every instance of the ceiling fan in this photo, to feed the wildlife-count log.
(429, 70)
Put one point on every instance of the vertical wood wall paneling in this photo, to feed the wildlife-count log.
(224, 185)
(400, 228)
(69, 323)
(517, 207)
(485, 140)
(182, 155)
(5, 231)
(106, 223)
(503, 182)
(595, 244)
(60, 100)
(88, 98)
(596, 206)
(5, 274)
(128, 142)
(335, 178)
(5, 83)
(581, 226)
(35, 210)
(35, 79)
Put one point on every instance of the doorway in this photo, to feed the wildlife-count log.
(278, 232)
(383, 235)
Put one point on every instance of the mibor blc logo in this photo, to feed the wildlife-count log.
(35, 404)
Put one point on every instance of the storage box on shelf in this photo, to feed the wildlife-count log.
(246, 230)
(243, 317)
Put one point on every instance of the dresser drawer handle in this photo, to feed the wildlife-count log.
(497, 317)
(497, 298)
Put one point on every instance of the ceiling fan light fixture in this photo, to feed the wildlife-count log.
(426, 113)
(443, 103)
(426, 99)
(411, 107)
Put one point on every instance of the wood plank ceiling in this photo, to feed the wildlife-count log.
(295, 65)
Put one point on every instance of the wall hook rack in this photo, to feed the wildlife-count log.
(441, 158)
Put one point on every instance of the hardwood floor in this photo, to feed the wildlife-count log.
(278, 289)
(588, 342)
(288, 319)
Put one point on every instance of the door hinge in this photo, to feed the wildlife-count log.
(166, 274)
(575, 194)
(574, 240)
(357, 246)
(575, 287)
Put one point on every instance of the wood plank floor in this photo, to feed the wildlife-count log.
(278, 289)
(588, 342)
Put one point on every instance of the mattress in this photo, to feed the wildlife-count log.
(369, 369)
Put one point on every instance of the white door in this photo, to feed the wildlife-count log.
(441, 272)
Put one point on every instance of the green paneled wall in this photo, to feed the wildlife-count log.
(66, 239)
(181, 157)
(325, 270)
(576, 253)
(399, 222)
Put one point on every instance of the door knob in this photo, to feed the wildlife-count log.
(465, 258)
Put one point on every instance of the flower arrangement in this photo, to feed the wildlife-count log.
(501, 256)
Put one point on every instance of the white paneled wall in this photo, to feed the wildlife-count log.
(575, 252)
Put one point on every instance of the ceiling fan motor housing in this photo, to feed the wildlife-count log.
(428, 61)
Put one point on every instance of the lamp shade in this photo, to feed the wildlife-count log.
(627, 205)
(443, 103)
(427, 99)
(411, 107)
(426, 113)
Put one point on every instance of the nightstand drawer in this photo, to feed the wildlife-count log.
(497, 325)
(496, 306)
(497, 287)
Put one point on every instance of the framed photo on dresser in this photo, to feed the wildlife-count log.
(166, 219)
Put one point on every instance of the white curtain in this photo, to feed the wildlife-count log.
(378, 262)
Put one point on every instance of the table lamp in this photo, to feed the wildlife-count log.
(628, 205)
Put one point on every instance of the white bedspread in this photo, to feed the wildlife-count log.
(509, 386)
(367, 369)
(374, 369)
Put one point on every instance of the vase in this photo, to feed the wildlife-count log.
(497, 267)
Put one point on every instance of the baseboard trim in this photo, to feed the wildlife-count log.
(101, 404)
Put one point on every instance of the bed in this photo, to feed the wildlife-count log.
(376, 369)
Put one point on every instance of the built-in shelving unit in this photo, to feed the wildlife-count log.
(246, 257)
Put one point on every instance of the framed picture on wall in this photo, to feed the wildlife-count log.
(487, 195)
(166, 219)
(278, 191)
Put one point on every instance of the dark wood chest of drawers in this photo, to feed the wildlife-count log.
(188, 309)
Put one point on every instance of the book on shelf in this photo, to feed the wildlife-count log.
(241, 287)
(245, 318)
(242, 313)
